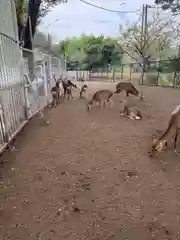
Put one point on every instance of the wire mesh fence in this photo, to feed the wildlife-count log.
(76, 74)
(156, 73)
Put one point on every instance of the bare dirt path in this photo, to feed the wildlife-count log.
(87, 176)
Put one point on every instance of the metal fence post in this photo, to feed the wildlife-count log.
(114, 70)
(122, 68)
(45, 81)
(142, 76)
(76, 74)
(158, 74)
(174, 79)
(130, 73)
(26, 108)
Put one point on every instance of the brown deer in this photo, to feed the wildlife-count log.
(103, 97)
(55, 91)
(83, 91)
(67, 86)
(129, 88)
(130, 112)
(160, 144)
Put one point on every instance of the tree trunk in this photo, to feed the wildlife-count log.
(33, 11)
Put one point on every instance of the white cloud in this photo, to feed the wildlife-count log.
(75, 18)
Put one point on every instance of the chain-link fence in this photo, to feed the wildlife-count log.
(26, 77)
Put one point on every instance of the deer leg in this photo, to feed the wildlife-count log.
(110, 103)
(127, 93)
(101, 104)
(123, 112)
(55, 103)
(175, 142)
(65, 92)
(54, 99)
(104, 104)
(130, 117)
(58, 96)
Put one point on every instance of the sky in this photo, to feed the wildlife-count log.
(76, 18)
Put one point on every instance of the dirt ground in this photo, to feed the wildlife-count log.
(87, 176)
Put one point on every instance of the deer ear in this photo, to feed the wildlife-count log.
(154, 138)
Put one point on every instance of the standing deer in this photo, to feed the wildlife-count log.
(55, 91)
(103, 97)
(83, 91)
(67, 86)
(129, 88)
(172, 132)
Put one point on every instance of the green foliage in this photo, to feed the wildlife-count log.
(174, 5)
(46, 5)
(88, 52)
(169, 66)
(21, 10)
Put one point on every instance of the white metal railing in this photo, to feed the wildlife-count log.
(21, 94)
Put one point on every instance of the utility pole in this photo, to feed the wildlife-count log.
(145, 23)
(144, 33)
(179, 51)
(142, 27)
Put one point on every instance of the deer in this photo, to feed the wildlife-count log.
(67, 86)
(103, 97)
(129, 88)
(129, 111)
(55, 91)
(160, 144)
(83, 91)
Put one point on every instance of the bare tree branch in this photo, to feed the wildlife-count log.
(134, 41)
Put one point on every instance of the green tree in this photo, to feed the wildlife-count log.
(90, 52)
(174, 5)
(35, 9)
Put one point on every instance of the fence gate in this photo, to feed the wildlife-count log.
(36, 87)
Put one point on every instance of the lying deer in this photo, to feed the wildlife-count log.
(129, 88)
(160, 144)
(130, 112)
(103, 97)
